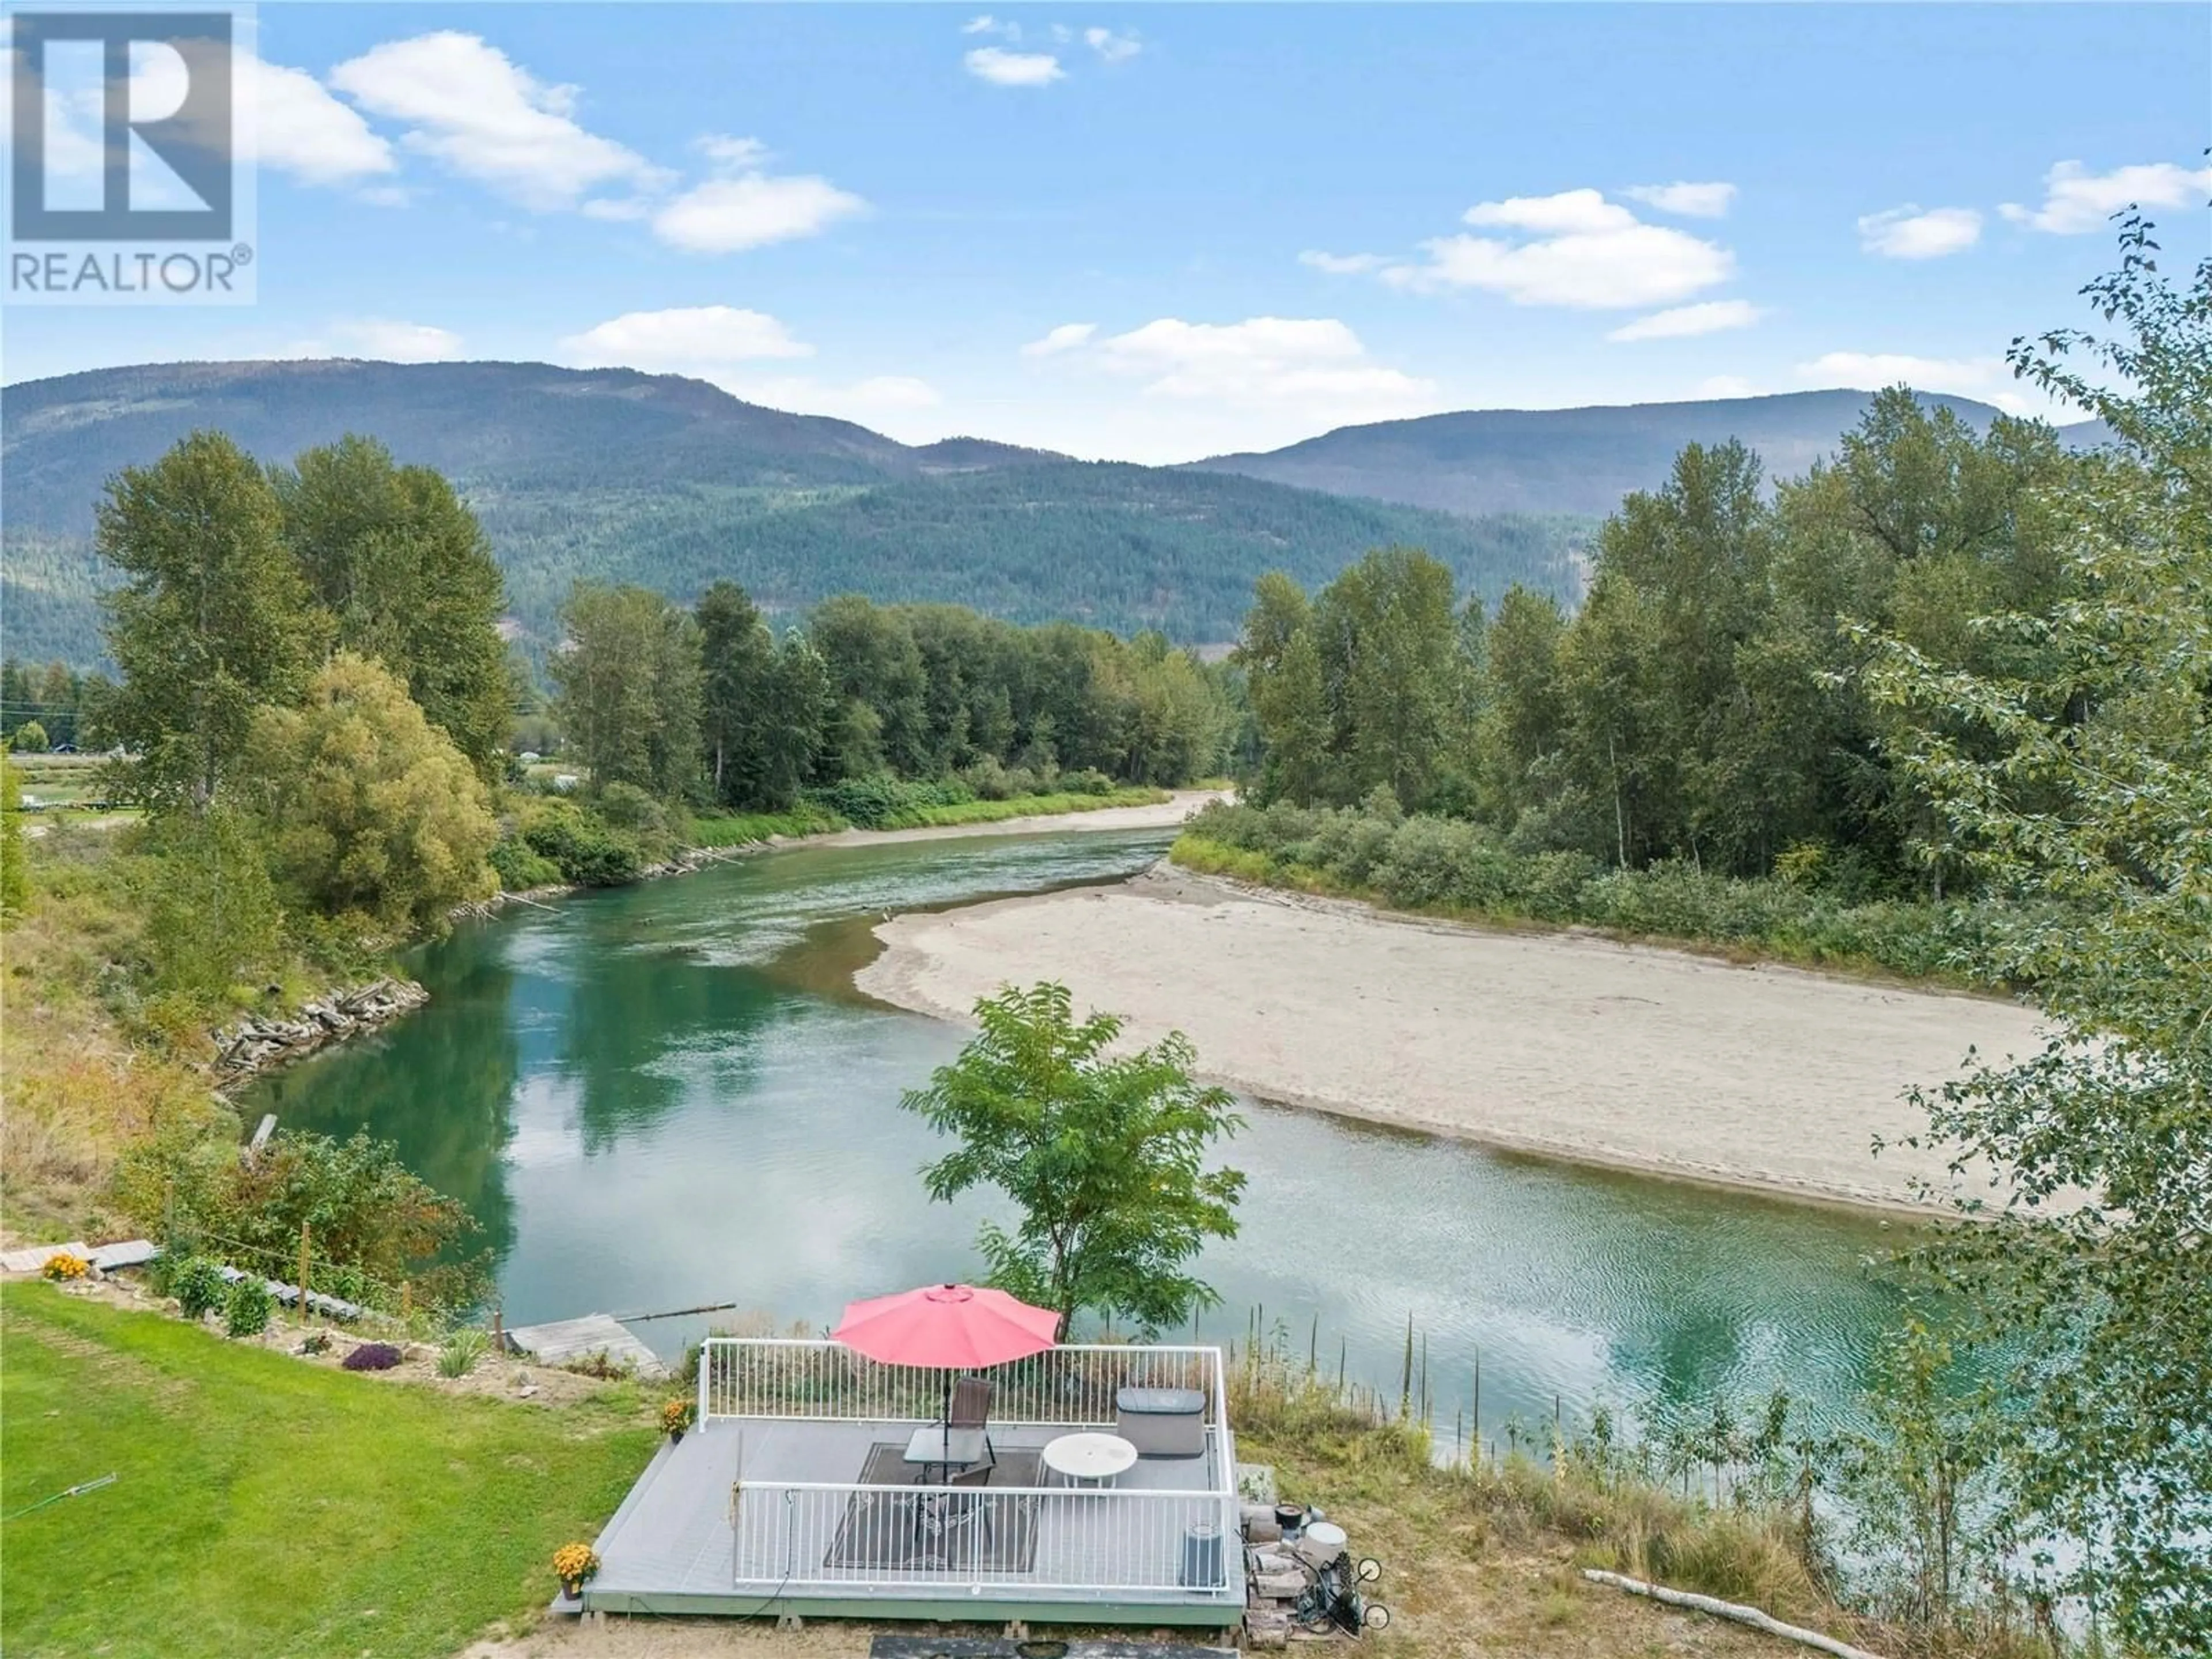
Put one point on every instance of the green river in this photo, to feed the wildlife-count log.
(670, 1095)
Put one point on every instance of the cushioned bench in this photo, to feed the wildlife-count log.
(1162, 1422)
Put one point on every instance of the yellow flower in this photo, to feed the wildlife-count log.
(574, 1562)
(62, 1265)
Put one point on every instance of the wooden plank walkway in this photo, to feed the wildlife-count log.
(564, 1340)
(34, 1258)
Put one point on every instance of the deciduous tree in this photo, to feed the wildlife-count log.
(1104, 1154)
(368, 807)
(408, 578)
(212, 620)
(2085, 786)
(629, 674)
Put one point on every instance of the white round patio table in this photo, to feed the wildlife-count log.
(1091, 1459)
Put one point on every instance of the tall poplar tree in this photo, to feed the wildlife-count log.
(211, 621)
(408, 577)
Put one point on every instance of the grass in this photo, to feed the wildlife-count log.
(83, 1082)
(745, 828)
(266, 1506)
(1021, 807)
(1485, 1560)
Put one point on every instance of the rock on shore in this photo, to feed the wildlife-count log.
(258, 1045)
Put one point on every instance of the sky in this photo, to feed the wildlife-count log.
(1156, 232)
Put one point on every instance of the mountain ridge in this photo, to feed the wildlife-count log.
(667, 481)
(1581, 460)
(670, 481)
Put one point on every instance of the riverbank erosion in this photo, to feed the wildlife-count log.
(1562, 1045)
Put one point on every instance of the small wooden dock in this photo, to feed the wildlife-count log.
(567, 1340)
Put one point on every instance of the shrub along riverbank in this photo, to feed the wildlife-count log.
(1452, 868)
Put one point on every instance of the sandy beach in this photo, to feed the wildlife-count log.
(1560, 1044)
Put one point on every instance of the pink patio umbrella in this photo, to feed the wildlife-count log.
(951, 1326)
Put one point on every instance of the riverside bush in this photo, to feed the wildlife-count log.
(586, 850)
(1450, 866)
(246, 1311)
(519, 868)
(883, 802)
(198, 1286)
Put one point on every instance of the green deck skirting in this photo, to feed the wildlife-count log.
(986, 1608)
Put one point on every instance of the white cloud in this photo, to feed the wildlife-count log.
(1342, 264)
(728, 155)
(1002, 67)
(299, 129)
(1710, 201)
(1263, 361)
(742, 205)
(1990, 379)
(1066, 337)
(685, 339)
(1709, 318)
(983, 24)
(1725, 385)
(472, 108)
(287, 119)
(1578, 250)
(2076, 200)
(1570, 212)
(1910, 233)
(1111, 47)
(725, 215)
(729, 348)
(395, 342)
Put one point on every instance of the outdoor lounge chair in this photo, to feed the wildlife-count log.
(970, 1408)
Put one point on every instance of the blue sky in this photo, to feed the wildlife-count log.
(1154, 232)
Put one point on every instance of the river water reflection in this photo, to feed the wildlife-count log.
(670, 1095)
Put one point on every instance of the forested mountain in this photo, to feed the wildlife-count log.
(1571, 460)
(671, 484)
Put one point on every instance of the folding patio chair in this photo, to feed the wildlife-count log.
(969, 1407)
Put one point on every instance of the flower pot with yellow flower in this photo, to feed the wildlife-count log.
(64, 1269)
(572, 1565)
(676, 1415)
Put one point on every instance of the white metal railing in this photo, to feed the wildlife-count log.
(1047, 1541)
(1071, 1385)
(1050, 1541)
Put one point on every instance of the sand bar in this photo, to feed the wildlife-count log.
(1561, 1045)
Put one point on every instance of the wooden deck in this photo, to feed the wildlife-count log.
(803, 1535)
(564, 1340)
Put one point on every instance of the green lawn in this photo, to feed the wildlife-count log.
(267, 1508)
